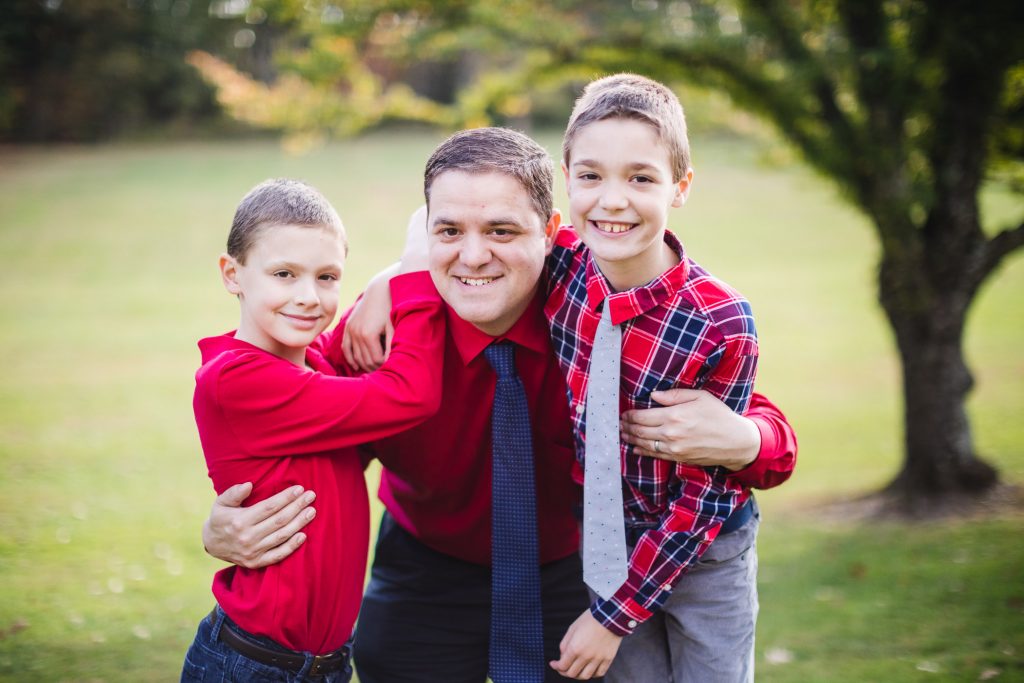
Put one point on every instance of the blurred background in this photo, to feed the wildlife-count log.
(859, 177)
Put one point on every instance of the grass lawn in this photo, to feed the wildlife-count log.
(110, 277)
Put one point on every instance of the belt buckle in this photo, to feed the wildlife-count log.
(323, 660)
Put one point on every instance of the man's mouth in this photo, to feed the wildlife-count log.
(477, 281)
(613, 228)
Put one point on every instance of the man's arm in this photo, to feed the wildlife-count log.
(259, 535)
(695, 427)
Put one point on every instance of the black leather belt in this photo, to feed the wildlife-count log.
(738, 518)
(289, 660)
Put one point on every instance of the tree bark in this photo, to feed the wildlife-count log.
(940, 465)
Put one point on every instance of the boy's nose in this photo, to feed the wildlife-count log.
(613, 198)
(305, 293)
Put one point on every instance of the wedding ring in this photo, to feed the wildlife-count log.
(657, 446)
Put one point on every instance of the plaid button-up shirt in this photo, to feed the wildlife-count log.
(683, 329)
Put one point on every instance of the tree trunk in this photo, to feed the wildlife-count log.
(940, 466)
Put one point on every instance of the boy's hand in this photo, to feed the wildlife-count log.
(587, 649)
(259, 535)
(695, 428)
(366, 341)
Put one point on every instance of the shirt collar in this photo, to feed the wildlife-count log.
(530, 331)
(632, 303)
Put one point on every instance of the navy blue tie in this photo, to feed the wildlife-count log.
(517, 635)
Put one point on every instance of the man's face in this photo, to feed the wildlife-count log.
(486, 246)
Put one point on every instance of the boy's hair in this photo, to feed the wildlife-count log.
(280, 201)
(496, 150)
(629, 96)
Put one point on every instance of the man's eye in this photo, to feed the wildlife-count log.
(448, 232)
(588, 176)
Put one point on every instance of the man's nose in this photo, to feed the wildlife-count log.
(475, 252)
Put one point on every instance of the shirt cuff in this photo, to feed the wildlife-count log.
(753, 474)
(620, 614)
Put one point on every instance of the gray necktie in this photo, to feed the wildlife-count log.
(604, 535)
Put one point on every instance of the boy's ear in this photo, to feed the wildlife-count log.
(683, 189)
(565, 172)
(551, 229)
(229, 274)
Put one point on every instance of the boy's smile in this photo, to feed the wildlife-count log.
(287, 288)
(620, 189)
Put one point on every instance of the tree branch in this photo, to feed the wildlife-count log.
(1000, 246)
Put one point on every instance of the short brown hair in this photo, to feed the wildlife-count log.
(629, 96)
(280, 201)
(497, 150)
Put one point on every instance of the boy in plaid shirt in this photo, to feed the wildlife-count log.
(689, 601)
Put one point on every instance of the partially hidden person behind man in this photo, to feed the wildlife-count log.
(272, 411)
(426, 615)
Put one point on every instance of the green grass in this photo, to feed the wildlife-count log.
(110, 277)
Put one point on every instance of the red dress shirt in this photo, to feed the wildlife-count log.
(436, 480)
(266, 420)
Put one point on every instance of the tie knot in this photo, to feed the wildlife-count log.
(501, 356)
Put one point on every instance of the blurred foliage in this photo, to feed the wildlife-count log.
(82, 70)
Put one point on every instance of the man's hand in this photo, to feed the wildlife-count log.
(259, 535)
(695, 428)
(587, 649)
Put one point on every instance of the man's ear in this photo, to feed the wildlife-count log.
(683, 189)
(565, 172)
(551, 229)
(229, 274)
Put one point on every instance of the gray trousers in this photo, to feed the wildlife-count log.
(705, 631)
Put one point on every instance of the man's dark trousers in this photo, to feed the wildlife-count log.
(426, 615)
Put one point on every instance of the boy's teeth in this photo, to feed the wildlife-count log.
(476, 281)
(613, 227)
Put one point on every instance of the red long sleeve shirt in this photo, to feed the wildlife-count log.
(265, 420)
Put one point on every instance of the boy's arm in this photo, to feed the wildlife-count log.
(365, 331)
(278, 409)
(695, 427)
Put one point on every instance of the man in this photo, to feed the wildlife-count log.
(426, 615)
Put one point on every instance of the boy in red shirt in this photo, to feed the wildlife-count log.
(271, 410)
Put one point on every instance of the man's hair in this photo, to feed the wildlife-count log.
(496, 150)
(629, 96)
(280, 201)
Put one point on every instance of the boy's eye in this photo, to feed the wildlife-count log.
(588, 176)
(282, 273)
(643, 179)
(329, 277)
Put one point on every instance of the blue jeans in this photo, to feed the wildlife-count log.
(211, 660)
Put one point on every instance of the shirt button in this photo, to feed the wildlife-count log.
(666, 588)
(580, 408)
(632, 623)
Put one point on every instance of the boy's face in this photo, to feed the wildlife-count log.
(287, 288)
(486, 246)
(620, 189)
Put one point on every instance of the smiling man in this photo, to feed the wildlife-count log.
(427, 611)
